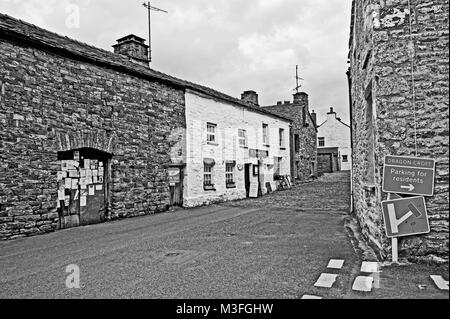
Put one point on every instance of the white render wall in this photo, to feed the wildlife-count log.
(229, 118)
(337, 134)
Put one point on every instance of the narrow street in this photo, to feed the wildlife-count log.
(271, 247)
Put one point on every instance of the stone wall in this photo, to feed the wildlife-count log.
(303, 125)
(387, 57)
(49, 103)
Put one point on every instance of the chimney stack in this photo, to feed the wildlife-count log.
(331, 114)
(314, 117)
(301, 98)
(250, 97)
(134, 48)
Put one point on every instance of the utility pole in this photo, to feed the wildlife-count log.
(297, 78)
(150, 8)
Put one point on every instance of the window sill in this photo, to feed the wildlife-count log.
(213, 143)
(231, 185)
(266, 145)
(283, 148)
(246, 147)
(209, 188)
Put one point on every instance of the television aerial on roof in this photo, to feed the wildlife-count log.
(297, 79)
(150, 8)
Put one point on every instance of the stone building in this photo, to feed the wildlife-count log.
(88, 135)
(303, 137)
(231, 147)
(333, 145)
(399, 85)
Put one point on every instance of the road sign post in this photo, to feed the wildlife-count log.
(408, 175)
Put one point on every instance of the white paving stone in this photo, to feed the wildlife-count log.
(440, 282)
(369, 266)
(310, 297)
(326, 280)
(335, 263)
(363, 283)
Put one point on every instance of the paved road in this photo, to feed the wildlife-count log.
(272, 247)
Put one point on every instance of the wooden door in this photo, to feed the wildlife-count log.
(176, 186)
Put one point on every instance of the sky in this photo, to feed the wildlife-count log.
(228, 45)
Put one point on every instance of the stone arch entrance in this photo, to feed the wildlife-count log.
(83, 186)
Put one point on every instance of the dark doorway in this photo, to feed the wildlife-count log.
(176, 185)
(247, 178)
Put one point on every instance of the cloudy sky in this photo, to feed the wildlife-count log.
(229, 45)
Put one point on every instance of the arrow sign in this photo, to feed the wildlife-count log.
(408, 175)
(410, 187)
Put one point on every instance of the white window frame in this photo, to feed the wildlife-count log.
(211, 130)
(321, 139)
(208, 175)
(265, 128)
(282, 138)
(229, 174)
(242, 138)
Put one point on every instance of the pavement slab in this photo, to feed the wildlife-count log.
(363, 283)
(440, 282)
(335, 263)
(369, 267)
(310, 297)
(326, 280)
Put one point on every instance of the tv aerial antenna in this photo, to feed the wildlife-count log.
(297, 79)
(150, 8)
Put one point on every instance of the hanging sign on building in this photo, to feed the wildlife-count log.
(408, 175)
(174, 176)
(405, 216)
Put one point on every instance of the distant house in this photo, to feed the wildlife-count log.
(303, 135)
(334, 145)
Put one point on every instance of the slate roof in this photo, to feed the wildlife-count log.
(12, 28)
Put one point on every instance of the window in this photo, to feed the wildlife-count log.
(282, 138)
(242, 135)
(229, 175)
(321, 141)
(345, 158)
(207, 175)
(265, 134)
(297, 143)
(211, 132)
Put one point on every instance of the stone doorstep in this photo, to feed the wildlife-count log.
(326, 280)
(363, 283)
(440, 282)
(335, 263)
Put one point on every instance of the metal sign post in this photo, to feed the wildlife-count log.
(394, 240)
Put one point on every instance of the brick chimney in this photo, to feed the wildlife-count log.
(250, 97)
(134, 48)
(301, 98)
